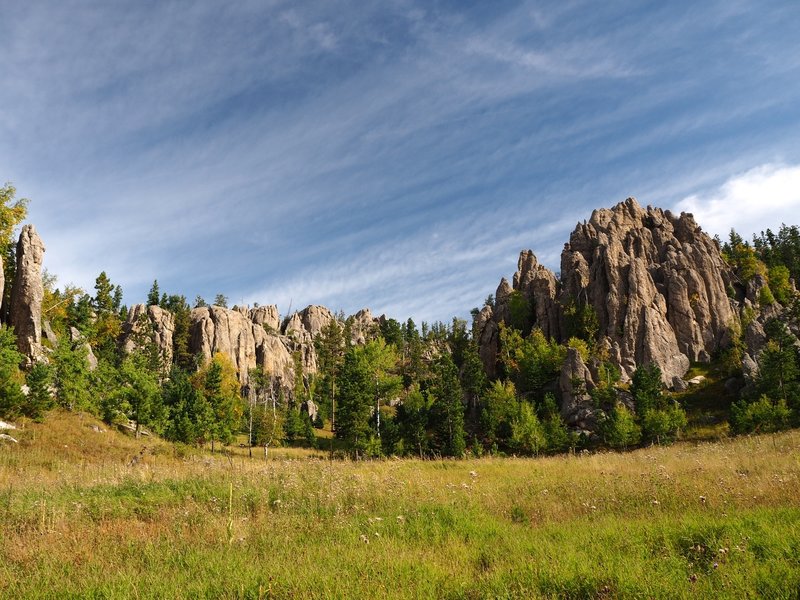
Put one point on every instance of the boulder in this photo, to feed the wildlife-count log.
(679, 385)
(749, 368)
(755, 337)
(310, 408)
(27, 294)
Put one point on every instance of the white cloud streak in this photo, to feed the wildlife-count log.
(750, 202)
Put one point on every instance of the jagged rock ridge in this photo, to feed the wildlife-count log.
(656, 282)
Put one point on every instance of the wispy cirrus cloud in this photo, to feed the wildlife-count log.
(395, 155)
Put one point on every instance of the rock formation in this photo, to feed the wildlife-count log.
(308, 322)
(656, 283)
(267, 317)
(77, 338)
(363, 326)
(149, 322)
(539, 287)
(575, 383)
(27, 294)
(215, 329)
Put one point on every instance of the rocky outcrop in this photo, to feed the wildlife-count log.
(149, 323)
(363, 327)
(575, 382)
(308, 322)
(27, 294)
(266, 316)
(215, 329)
(250, 338)
(76, 337)
(487, 334)
(655, 282)
(538, 285)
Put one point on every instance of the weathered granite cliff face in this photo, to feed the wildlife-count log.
(146, 321)
(27, 294)
(657, 284)
(252, 338)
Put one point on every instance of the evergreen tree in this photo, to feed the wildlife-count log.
(72, 376)
(191, 418)
(103, 302)
(646, 388)
(474, 384)
(355, 401)
(12, 399)
(12, 212)
(154, 295)
(330, 347)
(447, 412)
(39, 399)
(139, 393)
(412, 420)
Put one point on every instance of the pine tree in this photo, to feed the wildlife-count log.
(447, 412)
(154, 296)
(39, 399)
(12, 399)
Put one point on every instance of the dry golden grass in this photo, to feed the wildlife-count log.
(89, 513)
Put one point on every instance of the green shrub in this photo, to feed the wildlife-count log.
(761, 416)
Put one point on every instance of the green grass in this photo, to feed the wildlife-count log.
(715, 520)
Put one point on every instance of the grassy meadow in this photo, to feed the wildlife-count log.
(88, 513)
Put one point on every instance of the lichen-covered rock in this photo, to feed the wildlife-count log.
(27, 294)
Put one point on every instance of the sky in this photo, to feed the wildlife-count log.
(396, 155)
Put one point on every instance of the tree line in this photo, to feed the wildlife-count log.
(406, 391)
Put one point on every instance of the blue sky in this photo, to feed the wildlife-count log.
(395, 155)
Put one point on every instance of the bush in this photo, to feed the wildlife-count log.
(761, 416)
(663, 425)
(620, 430)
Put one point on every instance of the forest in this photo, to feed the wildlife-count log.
(399, 389)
